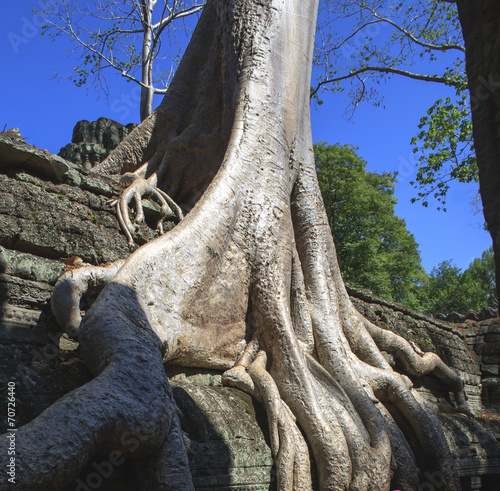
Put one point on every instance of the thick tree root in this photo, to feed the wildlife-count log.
(72, 286)
(167, 468)
(127, 410)
(418, 365)
(248, 282)
(368, 468)
(287, 443)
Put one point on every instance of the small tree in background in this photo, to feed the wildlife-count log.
(374, 248)
(443, 292)
(449, 289)
(121, 36)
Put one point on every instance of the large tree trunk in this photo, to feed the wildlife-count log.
(247, 282)
(481, 29)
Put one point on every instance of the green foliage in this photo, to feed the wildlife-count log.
(481, 273)
(92, 216)
(360, 42)
(448, 289)
(376, 251)
(374, 248)
(446, 149)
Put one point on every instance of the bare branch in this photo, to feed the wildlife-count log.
(123, 35)
(387, 70)
(177, 15)
(355, 32)
(409, 35)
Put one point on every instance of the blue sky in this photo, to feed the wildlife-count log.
(46, 110)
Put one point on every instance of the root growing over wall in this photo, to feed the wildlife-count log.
(247, 282)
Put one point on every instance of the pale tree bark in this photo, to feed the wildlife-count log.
(481, 28)
(147, 89)
(247, 283)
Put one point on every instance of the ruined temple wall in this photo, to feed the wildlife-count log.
(52, 211)
(470, 347)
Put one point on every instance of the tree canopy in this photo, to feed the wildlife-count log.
(374, 248)
(449, 289)
(376, 251)
(362, 42)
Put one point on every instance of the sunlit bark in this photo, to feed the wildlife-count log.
(247, 282)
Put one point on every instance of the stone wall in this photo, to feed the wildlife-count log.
(52, 210)
(472, 349)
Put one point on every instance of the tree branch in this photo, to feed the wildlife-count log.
(137, 81)
(409, 35)
(360, 28)
(389, 70)
(177, 15)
